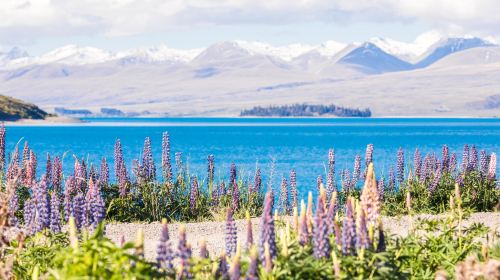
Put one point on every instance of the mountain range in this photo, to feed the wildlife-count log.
(451, 76)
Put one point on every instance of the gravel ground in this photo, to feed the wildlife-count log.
(213, 232)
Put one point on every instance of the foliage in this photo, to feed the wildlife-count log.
(305, 110)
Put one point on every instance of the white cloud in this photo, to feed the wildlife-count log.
(25, 19)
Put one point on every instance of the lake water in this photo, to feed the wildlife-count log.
(292, 143)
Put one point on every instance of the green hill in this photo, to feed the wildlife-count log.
(12, 109)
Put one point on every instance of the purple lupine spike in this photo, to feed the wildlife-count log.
(483, 163)
(104, 173)
(3, 134)
(348, 230)
(92, 173)
(29, 214)
(473, 159)
(369, 154)
(215, 196)
(235, 195)
(319, 182)
(165, 255)
(232, 174)
(417, 163)
(55, 213)
(78, 210)
(57, 174)
(392, 179)
(435, 182)
(165, 158)
(465, 157)
(459, 179)
(321, 242)
(30, 170)
(210, 170)
(356, 173)
(426, 168)
(231, 232)
(83, 172)
(13, 167)
(222, 268)
(381, 188)
(257, 183)
(193, 195)
(445, 153)
(42, 218)
(283, 199)
(400, 166)
(68, 197)
(453, 163)
(118, 160)
(330, 179)
(293, 189)
(48, 170)
(13, 207)
(362, 238)
(492, 166)
(123, 180)
(222, 189)
(184, 253)
(26, 153)
(267, 233)
(330, 214)
(303, 230)
(97, 205)
(346, 180)
(179, 165)
(147, 160)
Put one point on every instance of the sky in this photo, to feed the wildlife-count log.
(42, 25)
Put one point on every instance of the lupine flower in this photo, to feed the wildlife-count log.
(193, 195)
(465, 157)
(222, 189)
(68, 199)
(55, 213)
(2, 148)
(356, 173)
(252, 272)
(215, 196)
(57, 175)
(148, 162)
(401, 165)
(104, 173)
(445, 163)
(13, 168)
(210, 169)
(369, 154)
(319, 182)
(459, 179)
(293, 189)
(118, 159)
(48, 170)
(348, 230)
(164, 253)
(92, 173)
(492, 166)
(283, 199)
(362, 239)
(235, 195)
(268, 258)
(83, 171)
(435, 181)
(426, 169)
(381, 188)
(321, 242)
(29, 213)
(123, 180)
(370, 200)
(267, 233)
(42, 218)
(483, 163)
(95, 204)
(346, 180)
(249, 230)
(184, 253)
(26, 153)
(13, 203)
(231, 237)
(78, 210)
(165, 158)
(257, 183)
(222, 268)
(232, 174)
(417, 163)
(473, 159)
(453, 163)
(331, 212)
(392, 179)
(179, 165)
(303, 227)
(330, 180)
(338, 231)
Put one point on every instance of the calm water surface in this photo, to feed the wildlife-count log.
(292, 143)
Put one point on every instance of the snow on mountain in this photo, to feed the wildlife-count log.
(75, 55)
(14, 54)
(286, 53)
(371, 59)
(157, 54)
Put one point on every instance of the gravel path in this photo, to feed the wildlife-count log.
(213, 232)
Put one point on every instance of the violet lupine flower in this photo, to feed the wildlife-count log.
(321, 242)
(48, 170)
(184, 254)
(445, 153)
(222, 268)
(26, 153)
(42, 208)
(435, 182)
(104, 173)
(381, 188)
(293, 189)
(95, 204)
(232, 174)
(356, 173)
(210, 169)
(257, 182)
(118, 160)
(179, 165)
(30, 170)
(55, 213)
(492, 166)
(303, 229)
(348, 230)
(57, 174)
(83, 171)
(473, 159)
(78, 210)
(362, 238)
(483, 163)
(92, 173)
(283, 199)
(453, 163)
(13, 168)
(330, 180)
(235, 196)
(193, 196)
(392, 179)
(2, 148)
(369, 154)
(331, 212)
(68, 197)
(459, 179)
(417, 163)
(123, 180)
(165, 158)
(148, 162)
(13, 207)
(165, 255)
(400, 166)
(231, 232)
(319, 182)
(346, 180)
(29, 213)
(465, 158)
(215, 196)
(222, 189)
(267, 233)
